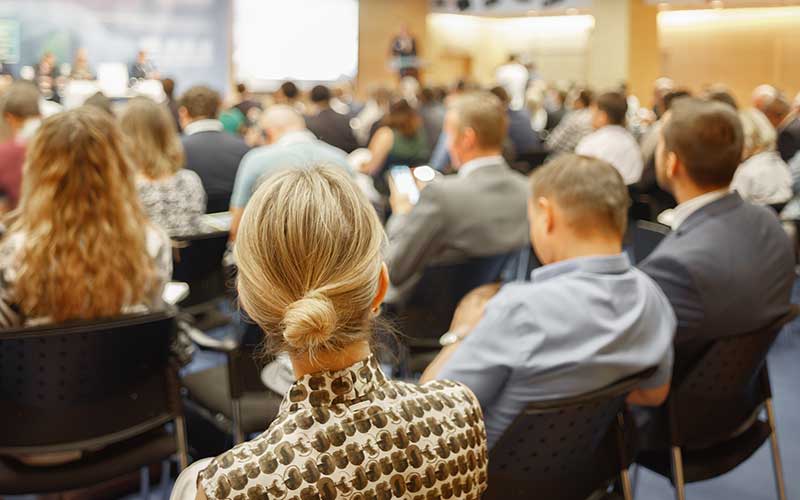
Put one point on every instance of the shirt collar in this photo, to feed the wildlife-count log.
(597, 264)
(206, 125)
(296, 137)
(477, 163)
(687, 208)
(322, 389)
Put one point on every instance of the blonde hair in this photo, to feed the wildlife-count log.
(151, 138)
(309, 257)
(484, 113)
(84, 254)
(759, 134)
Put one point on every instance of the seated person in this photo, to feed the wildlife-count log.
(763, 178)
(289, 145)
(172, 196)
(21, 114)
(328, 125)
(479, 212)
(728, 266)
(523, 139)
(588, 318)
(311, 276)
(611, 141)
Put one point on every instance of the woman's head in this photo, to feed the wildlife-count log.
(403, 118)
(151, 138)
(84, 254)
(311, 274)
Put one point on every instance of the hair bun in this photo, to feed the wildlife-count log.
(309, 322)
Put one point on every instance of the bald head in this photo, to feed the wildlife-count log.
(281, 119)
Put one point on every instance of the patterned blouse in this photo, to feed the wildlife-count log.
(353, 434)
(174, 203)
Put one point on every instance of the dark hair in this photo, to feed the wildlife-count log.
(320, 93)
(614, 105)
(169, 86)
(21, 100)
(241, 88)
(585, 96)
(707, 137)
(501, 94)
(100, 101)
(290, 90)
(723, 96)
(675, 94)
(402, 117)
(201, 102)
(426, 96)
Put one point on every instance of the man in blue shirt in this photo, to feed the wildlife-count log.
(587, 319)
(291, 145)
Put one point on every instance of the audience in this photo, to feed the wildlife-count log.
(101, 102)
(290, 145)
(556, 109)
(576, 125)
(168, 84)
(20, 111)
(211, 153)
(523, 139)
(478, 212)
(788, 141)
(289, 94)
(311, 276)
(246, 102)
(514, 77)
(763, 178)
(611, 141)
(80, 247)
(587, 320)
(432, 110)
(372, 113)
(328, 125)
(727, 267)
(172, 196)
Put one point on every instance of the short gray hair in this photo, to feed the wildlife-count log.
(484, 113)
(590, 191)
(281, 116)
(759, 134)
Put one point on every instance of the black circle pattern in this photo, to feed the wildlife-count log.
(355, 435)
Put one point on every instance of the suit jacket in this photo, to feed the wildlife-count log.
(789, 140)
(481, 214)
(333, 128)
(215, 156)
(727, 270)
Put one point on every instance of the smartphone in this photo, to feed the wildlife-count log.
(405, 183)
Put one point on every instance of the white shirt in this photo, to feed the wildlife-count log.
(207, 125)
(484, 161)
(615, 145)
(674, 218)
(514, 78)
(763, 179)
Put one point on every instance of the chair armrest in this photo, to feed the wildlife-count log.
(226, 345)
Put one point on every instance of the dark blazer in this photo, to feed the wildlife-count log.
(215, 156)
(727, 270)
(480, 214)
(789, 139)
(333, 128)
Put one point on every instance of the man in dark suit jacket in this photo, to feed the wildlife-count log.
(481, 211)
(212, 153)
(328, 125)
(728, 267)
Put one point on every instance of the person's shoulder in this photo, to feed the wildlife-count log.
(449, 394)
(260, 157)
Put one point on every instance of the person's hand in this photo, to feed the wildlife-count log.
(399, 202)
(471, 308)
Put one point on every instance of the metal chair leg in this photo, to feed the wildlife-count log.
(677, 474)
(180, 436)
(144, 482)
(238, 434)
(777, 464)
(625, 481)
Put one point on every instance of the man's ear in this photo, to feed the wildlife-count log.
(545, 207)
(674, 166)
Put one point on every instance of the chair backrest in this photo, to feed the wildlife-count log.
(714, 397)
(245, 364)
(565, 448)
(430, 309)
(198, 262)
(86, 384)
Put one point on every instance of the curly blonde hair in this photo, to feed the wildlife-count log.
(84, 254)
(151, 138)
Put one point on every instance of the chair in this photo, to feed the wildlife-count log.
(108, 388)
(232, 396)
(565, 449)
(712, 415)
(198, 262)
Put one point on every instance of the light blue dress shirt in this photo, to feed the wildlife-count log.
(581, 325)
(294, 150)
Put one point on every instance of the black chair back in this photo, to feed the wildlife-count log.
(198, 262)
(563, 449)
(86, 385)
(713, 398)
(430, 309)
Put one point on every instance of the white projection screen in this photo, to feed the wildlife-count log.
(307, 41)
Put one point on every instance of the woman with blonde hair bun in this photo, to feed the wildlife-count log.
(311, 275)
(79, 245)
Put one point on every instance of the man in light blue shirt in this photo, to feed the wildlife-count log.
(587, 319)
(291, 145)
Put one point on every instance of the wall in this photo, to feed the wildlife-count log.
(742, 48)
(379, 21)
